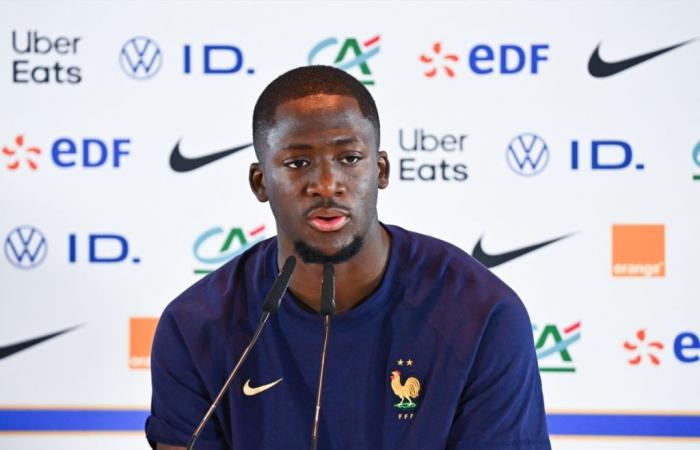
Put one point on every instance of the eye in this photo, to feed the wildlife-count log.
(296, 163)
(351, 160)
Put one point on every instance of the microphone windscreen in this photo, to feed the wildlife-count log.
(328, 290)
(279, 287)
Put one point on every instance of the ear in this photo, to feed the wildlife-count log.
(383, 165)
(257, 182)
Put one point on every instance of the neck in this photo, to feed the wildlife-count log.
(355, 279)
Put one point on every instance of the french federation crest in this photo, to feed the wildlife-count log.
(407, 390)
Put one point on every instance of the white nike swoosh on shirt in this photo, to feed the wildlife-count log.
(250, 391)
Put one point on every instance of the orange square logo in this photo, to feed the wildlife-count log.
(141, 332)
(638, 251)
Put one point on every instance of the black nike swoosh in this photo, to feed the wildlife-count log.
(19, 346)
(497, 259)
(600, 69)
(181, 163)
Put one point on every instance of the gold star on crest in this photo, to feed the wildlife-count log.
(409, 362)
(400, 362)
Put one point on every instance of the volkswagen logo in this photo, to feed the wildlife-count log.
(25, 247)
(140, 58)
(527, 154)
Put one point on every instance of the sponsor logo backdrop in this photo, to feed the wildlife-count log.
(558, 142)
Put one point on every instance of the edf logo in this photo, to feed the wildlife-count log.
(68, 153)
(506, 59)
(486, 59)
(89, 152)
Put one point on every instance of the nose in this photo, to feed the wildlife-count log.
(325, 181)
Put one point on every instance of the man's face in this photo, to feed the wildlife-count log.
(320, 170)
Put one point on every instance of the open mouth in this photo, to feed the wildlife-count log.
(327, 221)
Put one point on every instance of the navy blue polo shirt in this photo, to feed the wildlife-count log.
(440, 356)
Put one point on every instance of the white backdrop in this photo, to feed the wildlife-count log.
(56, 393)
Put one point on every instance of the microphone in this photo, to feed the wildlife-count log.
(327, 310)
(272, 303)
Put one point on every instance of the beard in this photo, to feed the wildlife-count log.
(312, 255)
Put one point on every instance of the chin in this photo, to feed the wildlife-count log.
(310, 253)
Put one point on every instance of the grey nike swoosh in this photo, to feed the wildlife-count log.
(600, 69)
(23, 345)
(496, 259)
(180, 163)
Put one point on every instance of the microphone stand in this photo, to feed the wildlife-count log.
(272, 303)
(327, 310)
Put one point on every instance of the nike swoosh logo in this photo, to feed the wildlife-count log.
(17, 347)
(601, 69)
(250, 391)
(180, 163)
(493, 260)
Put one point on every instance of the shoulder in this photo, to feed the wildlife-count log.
(221, 298)
(455, 294)
(429, 259)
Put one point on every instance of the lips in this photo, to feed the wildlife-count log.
(327, 220)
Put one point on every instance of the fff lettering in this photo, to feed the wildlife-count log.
(506, 59)
(425, 144)
(101, 249)
(217, 59)
(89, 152)
(34, 46)
(604, 155)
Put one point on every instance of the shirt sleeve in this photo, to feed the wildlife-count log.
(179, 400)
(501, 406)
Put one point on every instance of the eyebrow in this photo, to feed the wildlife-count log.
(344, 140)
(297, 146)
(339, 141)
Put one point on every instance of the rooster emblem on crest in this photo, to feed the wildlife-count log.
(406, 391)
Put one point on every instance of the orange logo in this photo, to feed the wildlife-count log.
(638, 251)
(141, 331)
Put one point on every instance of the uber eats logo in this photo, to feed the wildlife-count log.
(429, 156)
(44, 59)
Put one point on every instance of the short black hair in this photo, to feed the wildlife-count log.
(302, 82)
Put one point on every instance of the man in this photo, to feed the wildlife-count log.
(428, 349)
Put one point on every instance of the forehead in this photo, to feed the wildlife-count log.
(316, 117)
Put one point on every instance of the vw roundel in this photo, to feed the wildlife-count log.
(140, 57)
(25, 247)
